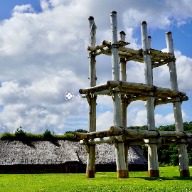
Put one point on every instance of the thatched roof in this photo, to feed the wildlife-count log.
(46, 152)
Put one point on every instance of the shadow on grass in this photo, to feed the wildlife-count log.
(164, 178)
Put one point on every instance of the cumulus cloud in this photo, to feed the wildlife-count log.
(138, 117)
(23, 9)
(184, 70)
(37, 118)
(43, 56)
(42, 104)
(105, 120)
(167, 12)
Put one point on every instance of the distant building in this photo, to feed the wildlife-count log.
(61, 156)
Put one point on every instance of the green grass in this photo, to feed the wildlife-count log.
(105, 182)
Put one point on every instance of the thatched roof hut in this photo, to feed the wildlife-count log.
(44, 153)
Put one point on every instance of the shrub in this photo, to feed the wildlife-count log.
(47, 135)
(20, 134)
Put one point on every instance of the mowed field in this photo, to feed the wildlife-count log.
(138, 181)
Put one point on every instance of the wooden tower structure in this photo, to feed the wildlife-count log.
(123, 93)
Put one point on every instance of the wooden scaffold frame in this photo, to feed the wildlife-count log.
(123, 93)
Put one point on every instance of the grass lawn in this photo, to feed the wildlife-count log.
(138, 181)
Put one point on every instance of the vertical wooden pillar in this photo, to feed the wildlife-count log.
(123, 77)
(124, 101)
(90, 170)
(182, 148)
(120, 150)
(153, 168)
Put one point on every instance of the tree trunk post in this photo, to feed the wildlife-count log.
(120, 149)
(90, 170)
(124, 102)
(153, 168)
(182, 148)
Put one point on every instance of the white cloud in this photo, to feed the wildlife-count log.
(50, 89)
(164, 119)
(23, 9)
(184, 70)
(167, 119)
(41, 117)
(42, 104)
(43, 56)
(159, 14)
(105, 121)
(137, 117)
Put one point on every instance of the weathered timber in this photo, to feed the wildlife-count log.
(165, 101)
(147, 57)
(132, 134)
(130, 141)
(120, 150)
(182, 148)
(144, 134)
(106, 45)
(130, 87)
(124, 102)
(158, 58)
(90, 169)
(124, 93)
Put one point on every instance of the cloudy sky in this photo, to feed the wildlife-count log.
(43, 57)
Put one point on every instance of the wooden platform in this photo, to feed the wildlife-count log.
(158, 58)
(136, 91)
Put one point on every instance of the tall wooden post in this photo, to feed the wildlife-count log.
(124, 101)
(182, 148)
(123, 77)
(153, 168)
(90, 170)
(120, 150)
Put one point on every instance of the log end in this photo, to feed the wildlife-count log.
(122, 33)
(185, 98)
(107, 43)
(80, 91)
(168, 33)
(113, 12)
(108, 83)
(80, 136)
(144, 23)
(91, 18)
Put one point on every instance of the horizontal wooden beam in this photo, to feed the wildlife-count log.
(145, 134)
(110, 139)
(165, 101)
(136, 91)
(132, 134)
(130, 141)
(158, 58)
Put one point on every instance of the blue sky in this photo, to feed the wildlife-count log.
(6, 8)
(43, 58)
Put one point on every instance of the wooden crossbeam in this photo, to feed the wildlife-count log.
(136, 91)
(131, 134)
(158, 58)
(131, 141)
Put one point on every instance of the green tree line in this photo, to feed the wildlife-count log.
(168, 154)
